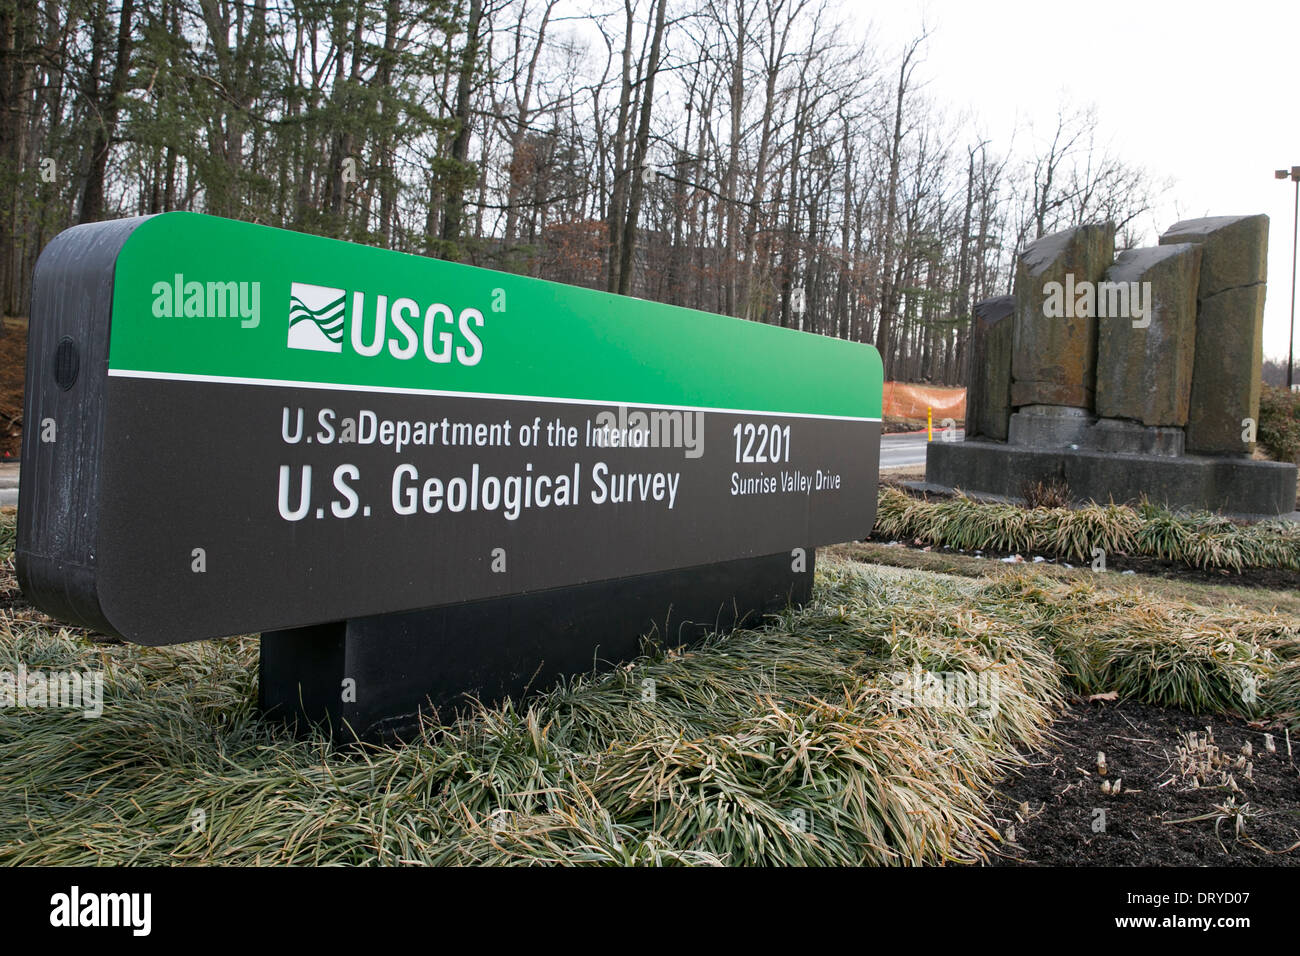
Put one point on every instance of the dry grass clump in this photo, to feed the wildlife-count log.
(779, 745)
(1199, 540)
(829, 736)
(1053, 493)
(1162, 652)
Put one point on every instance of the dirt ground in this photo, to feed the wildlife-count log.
(1054, 812)
(13, 359)
(1048, 811)
(895, 426)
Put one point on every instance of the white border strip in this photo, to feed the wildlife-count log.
(442, 393)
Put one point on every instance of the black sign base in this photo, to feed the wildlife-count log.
(370, 677)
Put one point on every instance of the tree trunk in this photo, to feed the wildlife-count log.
(454, 206)
(888, 290)
(92, 198)
(628, 248)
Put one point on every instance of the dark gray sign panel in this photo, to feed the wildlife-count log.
(237, 429)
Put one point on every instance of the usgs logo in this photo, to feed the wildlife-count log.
(320, 321)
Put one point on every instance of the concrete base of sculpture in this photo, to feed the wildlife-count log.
(1120, 436)
(1049, 426)
(1077, 429)
(1234, 486)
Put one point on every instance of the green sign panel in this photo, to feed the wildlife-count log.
(258, 429)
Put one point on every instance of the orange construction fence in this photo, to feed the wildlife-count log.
(903, 400)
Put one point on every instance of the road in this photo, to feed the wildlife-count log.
(8, 484)
(906, 449)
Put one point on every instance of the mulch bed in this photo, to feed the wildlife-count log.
(1274, 578)
(1052, 805)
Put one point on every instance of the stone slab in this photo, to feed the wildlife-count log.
(988, 392)
(1228, 485)
(1144, 361)
(1054, 358)
(1236, 250)
(1229, 329)
(1226, 379)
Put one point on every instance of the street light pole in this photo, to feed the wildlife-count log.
(1294, 175)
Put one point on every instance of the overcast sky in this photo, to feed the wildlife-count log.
(1206, 93)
